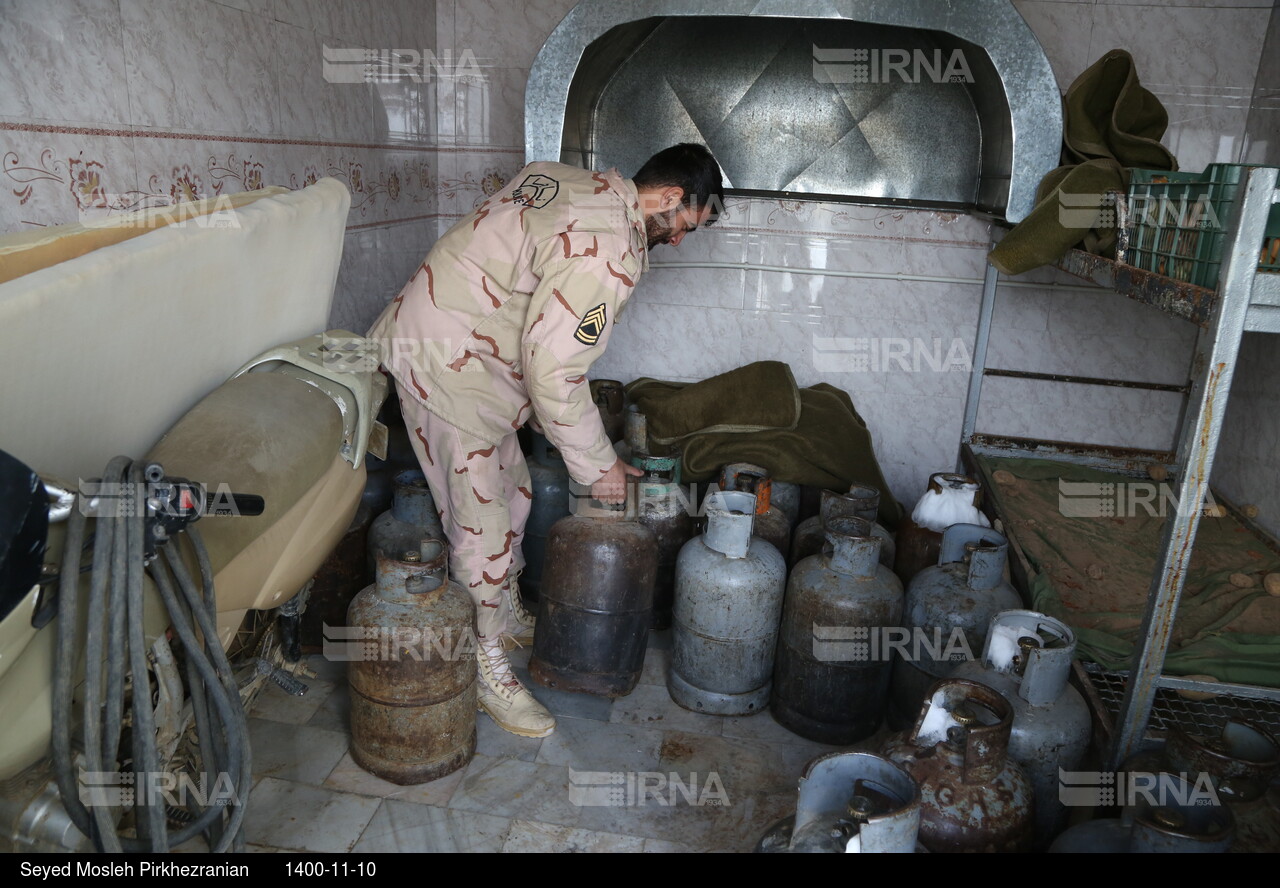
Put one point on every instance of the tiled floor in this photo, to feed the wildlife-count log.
(515, 794)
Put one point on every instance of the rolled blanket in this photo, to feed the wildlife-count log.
(1110, 122)
(758, 396)
(829, 446)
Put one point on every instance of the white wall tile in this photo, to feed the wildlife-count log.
(63, 61)
(490, 107)
(194, 65)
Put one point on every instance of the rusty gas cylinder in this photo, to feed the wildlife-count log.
(596, 605)
(858, 502)
(412, 518)
(1028, 659)
(413, 699)
(949, 499)
(850, 802)
(609, 400)
(771, 524)
(665, 509)
(974, 797)
(827, 687)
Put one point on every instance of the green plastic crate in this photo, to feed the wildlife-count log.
(1178, 222)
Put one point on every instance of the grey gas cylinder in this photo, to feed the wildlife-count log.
(948, 610)
(411, 519)
(729, 592)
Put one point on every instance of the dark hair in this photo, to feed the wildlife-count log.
(688, 166)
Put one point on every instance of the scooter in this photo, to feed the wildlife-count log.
(142, 612)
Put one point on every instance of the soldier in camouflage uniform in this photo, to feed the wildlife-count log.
(498, 327)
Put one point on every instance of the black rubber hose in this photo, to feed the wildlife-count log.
(211, 603)
(116, 633)
(64, 661)
(237, 727)
(198, 662)
(146, 761)
(109, 531)
(117, 612)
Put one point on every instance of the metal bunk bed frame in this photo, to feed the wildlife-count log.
(1244, 301)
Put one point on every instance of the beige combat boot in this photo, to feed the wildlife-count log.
(520, 620)
(499, 693)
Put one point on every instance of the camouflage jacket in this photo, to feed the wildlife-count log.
(514, 304)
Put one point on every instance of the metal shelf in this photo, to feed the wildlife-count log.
(1244, 300)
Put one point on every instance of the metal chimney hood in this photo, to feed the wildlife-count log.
(945, 104)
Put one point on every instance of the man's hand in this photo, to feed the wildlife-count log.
(612, 488)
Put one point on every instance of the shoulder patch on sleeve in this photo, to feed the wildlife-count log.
(593, 324)
(536, 191)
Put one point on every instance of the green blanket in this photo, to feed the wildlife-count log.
(1094, 573)
(828, 445)
(1110, 122)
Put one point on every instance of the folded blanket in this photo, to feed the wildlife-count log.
(758, 396)
(1110, 122)
(829, 446)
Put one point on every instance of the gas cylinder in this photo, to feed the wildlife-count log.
(949, 499)
(786, 497)
(1166, 822)
(850, 802)
(597, 599)
(825, 686)
(550, 482)
(379, 486)
(608, 397)
(860, 502)
(729, 591)
(344, 573)
(413, 699)
(771, 524)
(948, 610)
(1028, 659)
(666, 511)
(974, 796)
(411, 518)
(1236, 764)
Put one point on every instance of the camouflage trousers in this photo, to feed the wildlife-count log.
(484, 494)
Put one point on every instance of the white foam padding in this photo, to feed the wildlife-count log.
(102, 353)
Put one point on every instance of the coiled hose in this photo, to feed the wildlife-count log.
(114, 640)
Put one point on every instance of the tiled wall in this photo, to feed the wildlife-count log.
(150, 98)
(113, 105)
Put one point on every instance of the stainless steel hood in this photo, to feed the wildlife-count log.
(933, 104)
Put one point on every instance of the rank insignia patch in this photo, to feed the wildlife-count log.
(537, 191)
(593, 322)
